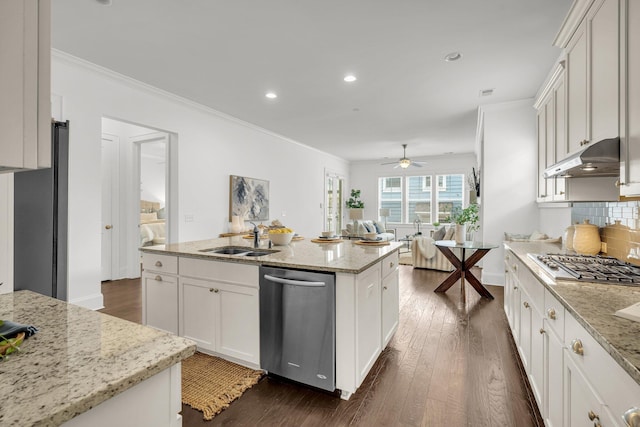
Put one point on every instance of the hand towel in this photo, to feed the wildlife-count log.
(9, 329)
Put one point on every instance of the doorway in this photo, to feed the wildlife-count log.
(139, 188)
(334, 202)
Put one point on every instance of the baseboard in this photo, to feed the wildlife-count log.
(93, 302)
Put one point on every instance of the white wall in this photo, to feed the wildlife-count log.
(509, 171)
(211, 147)
(364, 176)
(6, 233)
(554, 219)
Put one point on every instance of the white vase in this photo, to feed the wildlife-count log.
(461, 232)
(236, 224)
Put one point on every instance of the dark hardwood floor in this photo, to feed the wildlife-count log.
(451, 363)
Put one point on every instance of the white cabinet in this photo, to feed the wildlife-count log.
(552, 137)
(630, 99)
(390, 297)
(160, 301)
(572, 376)
(219, 308)
(160, 292)
(25, 86)
(592, 76)
(368, 320)
(6, 234)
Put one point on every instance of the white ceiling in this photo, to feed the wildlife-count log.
(228, 54)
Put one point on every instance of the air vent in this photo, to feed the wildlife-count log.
(486, 92)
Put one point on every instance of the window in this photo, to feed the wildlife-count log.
(428, 198)
(390, 191)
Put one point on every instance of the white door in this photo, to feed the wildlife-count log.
(334, 189)
(109, 174)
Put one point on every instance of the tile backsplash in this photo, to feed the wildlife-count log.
(619, 224)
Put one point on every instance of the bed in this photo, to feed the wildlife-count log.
(152, 224)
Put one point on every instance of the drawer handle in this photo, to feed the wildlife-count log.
(158, 264)
(526, 304)
(158, 278)
(515, 288)
(576, 346)
(385, 288)
(551, 313)
(214, 290)
(391, 265)
(584, 142)
(632, 417)
(595, 418)
(542, 331)
(515, 267)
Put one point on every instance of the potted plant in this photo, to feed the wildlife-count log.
(466, 220)
(354, 201)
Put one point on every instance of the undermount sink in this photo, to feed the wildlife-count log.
(239, 251)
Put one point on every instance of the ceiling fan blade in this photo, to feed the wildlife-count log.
(418, 164)
(389, 163)
(397, 166)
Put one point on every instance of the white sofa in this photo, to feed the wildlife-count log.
(359, 227)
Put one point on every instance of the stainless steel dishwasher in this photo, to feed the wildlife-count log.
(297, 326)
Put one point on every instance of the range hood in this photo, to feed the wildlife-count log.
(601, 158)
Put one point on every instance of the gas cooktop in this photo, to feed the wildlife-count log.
(588, 268)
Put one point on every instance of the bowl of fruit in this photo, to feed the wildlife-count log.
(281, 236)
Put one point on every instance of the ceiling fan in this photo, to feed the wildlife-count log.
(404, 162)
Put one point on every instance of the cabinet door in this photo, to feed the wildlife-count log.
(560, 133)
(582, 405)
(526, 324)
(25, 104)
(238, 322)
(369, 320)
(577, 88)
(604, 62)
(390, 306)
(197, 314)
(536, 361)
(543, 189)
(553, 384)
(160, 302)
(516, 309)
(630, 149)
(508, 289)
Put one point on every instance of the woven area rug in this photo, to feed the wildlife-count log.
(210, 384)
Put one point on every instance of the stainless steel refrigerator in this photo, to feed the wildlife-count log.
(40, 222)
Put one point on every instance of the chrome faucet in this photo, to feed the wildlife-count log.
(256, 235)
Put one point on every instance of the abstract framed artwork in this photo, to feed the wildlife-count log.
(249, 198)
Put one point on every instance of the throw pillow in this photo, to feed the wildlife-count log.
(379, 228)
(368, 227)
(439, 233)
(449, 235)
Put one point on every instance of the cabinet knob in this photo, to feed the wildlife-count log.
(593, 416)
(108, 227)
(562, 193)
(391, 265)
(214, 290)
(515, 288)
(619, 183)
(506, 271)
(526, 304)
(576, 346)
(158, 278)
(542, 331)
(584, 142)
(543, 195)
(551, 313)
(384, 287)
(632, 417)
(158, 264)
(515, 267)
(506, 257)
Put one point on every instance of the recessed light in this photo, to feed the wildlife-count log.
(104, 2)
(350, 78)
(486, 92)
(453, 56)
(271, 95)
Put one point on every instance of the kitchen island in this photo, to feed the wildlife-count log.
(214, 298)
(83, 367)
(582, 361)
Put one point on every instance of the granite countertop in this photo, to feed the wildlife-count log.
(593, 305)
(78, 359)
(345, 256)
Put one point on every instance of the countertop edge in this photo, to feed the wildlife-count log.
(111, 390)
(624, 363)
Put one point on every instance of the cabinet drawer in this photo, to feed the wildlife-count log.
(160, 263)
(554, 313)
(389, 264)
(534, 288)
(236, 273)
(616, 388)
